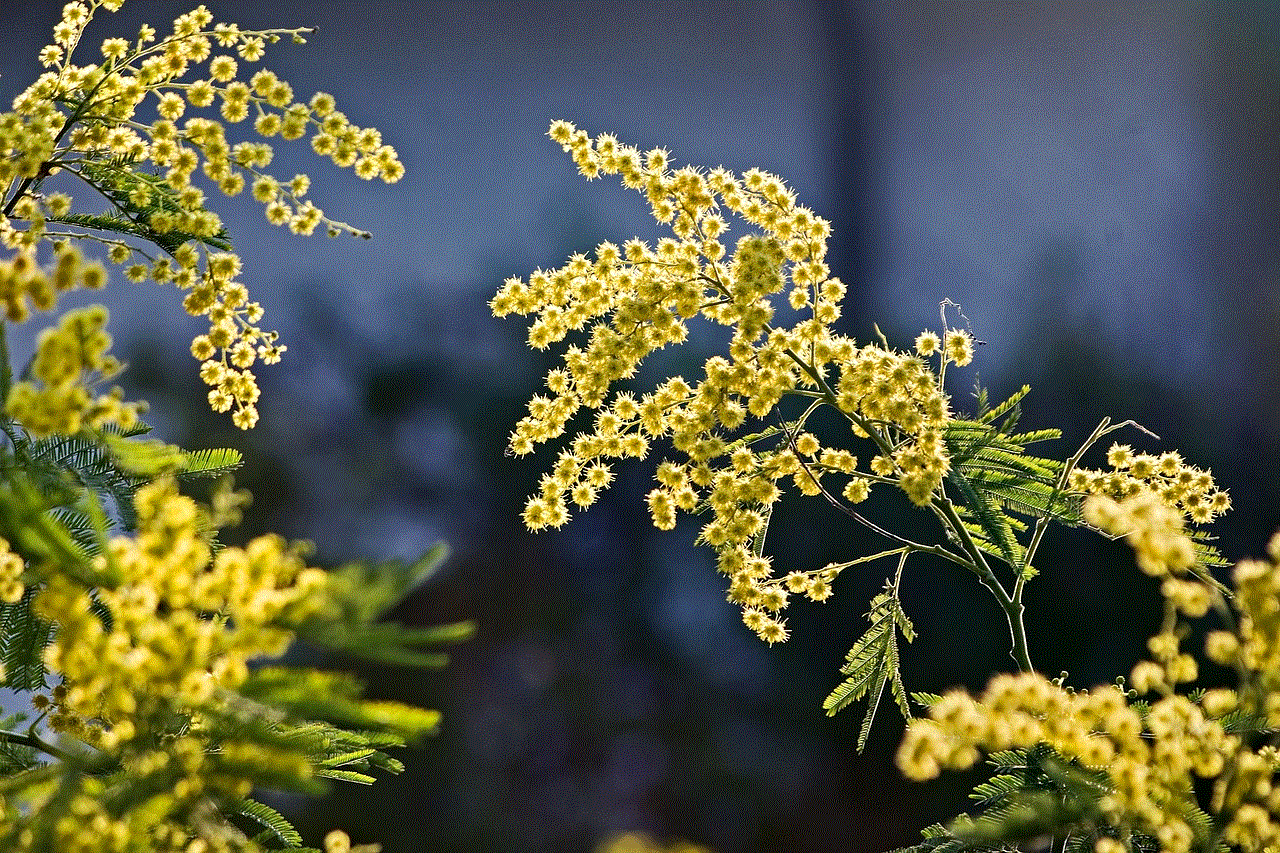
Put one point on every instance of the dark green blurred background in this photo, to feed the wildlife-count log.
(1096, 184)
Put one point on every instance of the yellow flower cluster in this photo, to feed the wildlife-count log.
(1257, 650)
(148, 660)
(95, 122)
(1150, 526)
(1155, 531)
(1250, 795)
(1150, 761)
(1152, 756)
(899, 393)
(25, 285)
(68, 362)
(629, 301)
(1185, 488)
(84, 819)
(183, 620)
(12, 568)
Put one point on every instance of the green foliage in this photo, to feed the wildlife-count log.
(16, 756)
(997, 487)
(872, 663)
(937, 839)
(1104, 770)
(361, 593)
(276, 824)
(925, 700)
(334, 698)
(23, 639)
(994, 476)
(123, 184)
(209, 463)
(283, 728)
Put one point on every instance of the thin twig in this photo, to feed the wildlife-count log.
(936, 550)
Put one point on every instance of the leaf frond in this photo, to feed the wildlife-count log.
(210, 462)
(23, 638)
(276, 824)
(1009, 406)
(872, 664)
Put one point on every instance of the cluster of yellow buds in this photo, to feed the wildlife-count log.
(69, 361)
(1153, 528)
(87, 120)
(160, 652)
(149, 661)
(1188, 489)
(25, 285)
(12, 567)
(900, 394)
(1150, 760)
(1152, 756)
(1257, 584)
(163, 729)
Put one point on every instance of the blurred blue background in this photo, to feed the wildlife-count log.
(1096, 184)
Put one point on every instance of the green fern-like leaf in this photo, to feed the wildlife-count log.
(273, 719)
(1037, 795)
(872, 665)
(1011, 406)
(123, 184)
(360, 593)
(33, 532)
(347, 776)
(277, 825)
(332, 697)
(365, 591)
(999, 465)
(211, 462)
(142, 459)
(393, 645)
(926, 700)
(938, 839)
(111, 463)
(79, 524)
(1242, 722)
(997, 532)
(86, 461)
(862, 660)
(348, 757)
(996, 480)
(997, 788)
(1008, 758)
(23, 638)
(16, 757)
